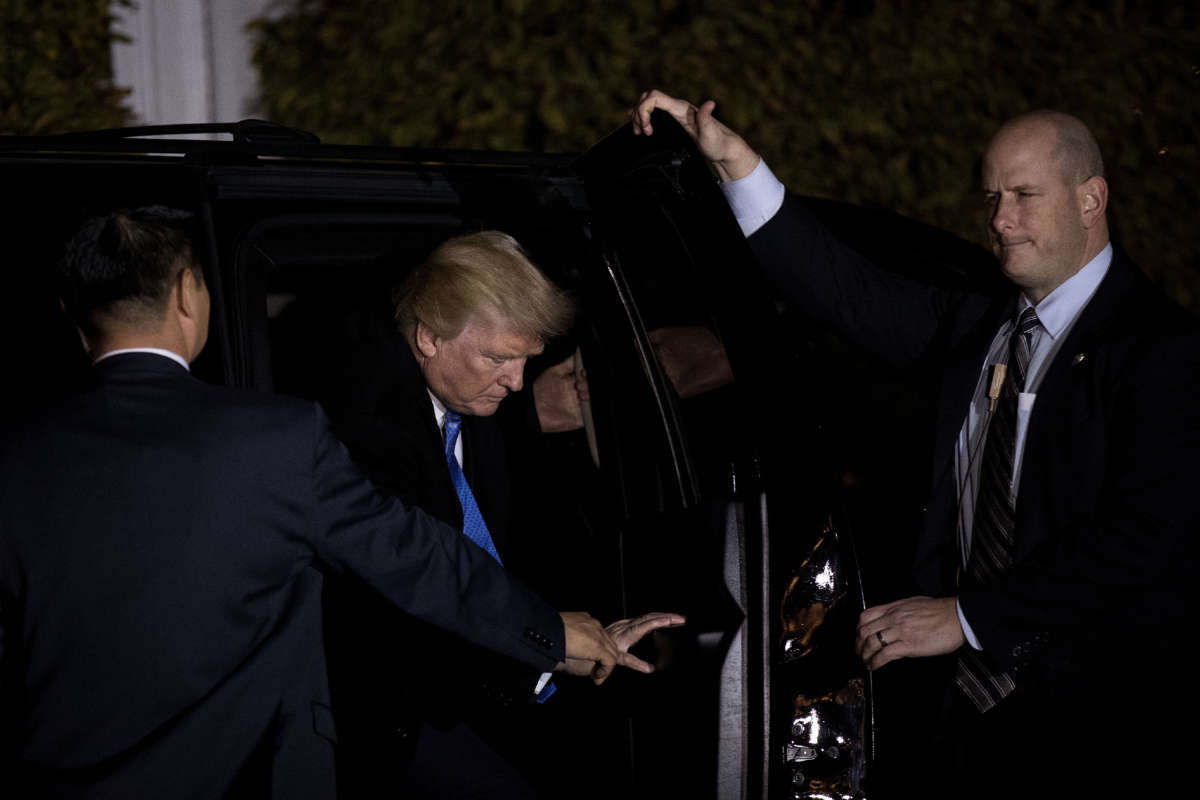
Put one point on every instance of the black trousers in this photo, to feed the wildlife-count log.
(1016, 749)
(459, 765)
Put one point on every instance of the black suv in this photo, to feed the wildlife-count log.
(724, 503)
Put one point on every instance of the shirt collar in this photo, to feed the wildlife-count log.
(178, 359)
(439, 410)
(1059, 308)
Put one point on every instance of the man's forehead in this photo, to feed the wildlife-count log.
(1022, 139)
(1023, 158)
(498, 337)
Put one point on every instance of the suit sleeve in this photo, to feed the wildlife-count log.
(892, 316)
(11, 712)
(423, 566)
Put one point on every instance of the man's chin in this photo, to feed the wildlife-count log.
(1012, 266)
(485, 407)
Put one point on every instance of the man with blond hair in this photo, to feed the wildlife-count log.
(160, 617)
(414, 404)
(1056, 565)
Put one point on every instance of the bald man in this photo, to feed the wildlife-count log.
(1056, 561)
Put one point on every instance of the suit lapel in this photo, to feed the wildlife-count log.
(1096, 322)
(967, 354)
(439, 497)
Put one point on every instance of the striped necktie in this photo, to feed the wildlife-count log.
(473, 525)
(995, 514)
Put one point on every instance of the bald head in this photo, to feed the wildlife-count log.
(1074, 149)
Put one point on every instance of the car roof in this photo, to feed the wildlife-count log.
(250, 140)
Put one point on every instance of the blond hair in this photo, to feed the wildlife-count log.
(481, 275)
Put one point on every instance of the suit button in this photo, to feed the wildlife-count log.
(539, 638)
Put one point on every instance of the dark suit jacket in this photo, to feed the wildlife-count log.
(1105, 570)
(380, 407)
(161, 621)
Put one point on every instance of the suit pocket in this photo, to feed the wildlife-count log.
(323, 721)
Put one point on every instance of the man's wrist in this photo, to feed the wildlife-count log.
(738, 167)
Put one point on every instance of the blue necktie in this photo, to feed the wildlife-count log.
(473, 525)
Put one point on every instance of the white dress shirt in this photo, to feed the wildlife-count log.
(178, 359)
(1057, 313)
(439, 414)
(757, 197)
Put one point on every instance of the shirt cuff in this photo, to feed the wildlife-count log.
(966, 628)
(755, 198)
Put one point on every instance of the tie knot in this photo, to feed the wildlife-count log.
(1028, 321)
(451, 423)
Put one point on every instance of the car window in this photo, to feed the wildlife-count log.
(690, 361)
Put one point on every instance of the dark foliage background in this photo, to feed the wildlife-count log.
(886, 103)
(56, 68)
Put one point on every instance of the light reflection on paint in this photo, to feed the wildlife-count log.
(815, 588)
(824, 578)
(825, 749)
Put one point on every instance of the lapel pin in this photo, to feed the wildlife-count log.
(1079, 357)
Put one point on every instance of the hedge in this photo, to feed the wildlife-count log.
(880, 103)
(56, 66)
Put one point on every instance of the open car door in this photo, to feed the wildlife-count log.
(725, 510)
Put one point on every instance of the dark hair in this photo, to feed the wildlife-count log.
(121, 266)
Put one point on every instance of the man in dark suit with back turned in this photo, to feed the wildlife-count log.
(1056, 563)
(450, 345)
(160, 629)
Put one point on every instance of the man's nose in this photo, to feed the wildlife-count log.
(1002, 216)
(513, 375)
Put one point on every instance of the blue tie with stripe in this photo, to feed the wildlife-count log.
(473, 525)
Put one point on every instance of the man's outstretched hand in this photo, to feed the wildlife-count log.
(628, 632)
(728, 153)
(593, 650)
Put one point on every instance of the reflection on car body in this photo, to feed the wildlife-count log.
(829, 740)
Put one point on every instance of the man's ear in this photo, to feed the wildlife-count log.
(87, 346)
(426, 340)
(1092, 195)
(184, 294)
